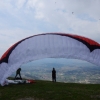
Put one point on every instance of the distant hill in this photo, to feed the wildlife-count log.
(57, 62)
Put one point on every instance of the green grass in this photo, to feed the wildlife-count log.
(46, 90)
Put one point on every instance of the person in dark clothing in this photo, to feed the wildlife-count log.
(18, 73)
(54, 75)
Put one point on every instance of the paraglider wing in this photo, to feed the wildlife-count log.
(49, 45)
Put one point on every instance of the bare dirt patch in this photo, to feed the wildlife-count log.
(29, 99)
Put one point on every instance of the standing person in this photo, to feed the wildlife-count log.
(18, 73)
(54, 75)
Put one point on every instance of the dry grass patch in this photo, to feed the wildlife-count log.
(30, 98)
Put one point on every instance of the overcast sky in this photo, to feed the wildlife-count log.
(22, 18)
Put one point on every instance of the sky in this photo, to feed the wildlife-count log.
(22, 18)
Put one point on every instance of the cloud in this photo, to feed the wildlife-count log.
(20, 3)
(9, 37)
(22, 18)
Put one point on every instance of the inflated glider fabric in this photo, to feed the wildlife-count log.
(50, 45)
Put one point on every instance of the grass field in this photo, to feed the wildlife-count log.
(46, 90)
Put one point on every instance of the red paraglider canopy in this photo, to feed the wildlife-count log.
(48, 45)
(91, 44)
